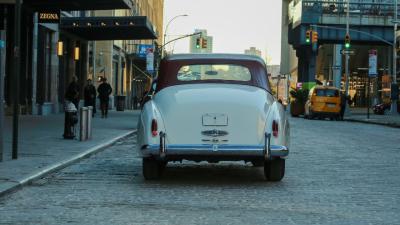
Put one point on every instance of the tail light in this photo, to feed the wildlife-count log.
(154, 128)
(275, 128)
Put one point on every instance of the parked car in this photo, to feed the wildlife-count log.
(323, 102)
(225, 113)
(379, 109)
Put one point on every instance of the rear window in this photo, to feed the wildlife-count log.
(327, 93)
(224, 72)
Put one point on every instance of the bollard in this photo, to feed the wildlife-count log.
(83, 113)
(89, 123)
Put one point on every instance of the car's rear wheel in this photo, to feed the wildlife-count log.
(152, 169)
(274, 170)
(256, 163)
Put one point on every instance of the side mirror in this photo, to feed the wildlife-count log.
(154, 86)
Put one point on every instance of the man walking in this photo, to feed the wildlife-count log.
(104, 91)
(90, 95)
(72, 94)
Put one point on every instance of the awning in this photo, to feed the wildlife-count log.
(109, 28)
(73, 5)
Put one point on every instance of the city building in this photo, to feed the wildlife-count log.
(253, 51)
(123, 62)
(322, 60)
(82, 39)
(195, 45)
(279, 82)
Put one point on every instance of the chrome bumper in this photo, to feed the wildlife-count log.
(266, 151)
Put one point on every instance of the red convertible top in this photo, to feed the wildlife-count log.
(170, 66)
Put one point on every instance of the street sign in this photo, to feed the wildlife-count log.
(142, 50)
(347, 52)
(150, 60)
(373, 62)
(49, 17)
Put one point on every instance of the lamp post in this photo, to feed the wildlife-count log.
(166, 29)
(394, 70)
(17, 67)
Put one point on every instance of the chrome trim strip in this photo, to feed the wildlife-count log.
(214, 133)
(215, 149)
(267, 147)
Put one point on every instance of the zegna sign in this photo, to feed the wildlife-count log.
(49, 17)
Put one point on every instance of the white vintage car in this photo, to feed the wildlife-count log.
(213, 107)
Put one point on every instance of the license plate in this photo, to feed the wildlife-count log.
(330, 105)
(214, 119)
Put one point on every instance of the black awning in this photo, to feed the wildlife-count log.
(109, 28)
(77, 5)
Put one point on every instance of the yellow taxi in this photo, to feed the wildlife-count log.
(323, 102)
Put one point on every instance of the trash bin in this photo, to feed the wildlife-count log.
(120, 102)
(71, 119)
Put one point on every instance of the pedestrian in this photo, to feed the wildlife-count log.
(90, 95)
(104, 91)
(72, 93)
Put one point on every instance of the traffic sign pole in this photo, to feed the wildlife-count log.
(368, 96)
(347, 110)
(1, 103)
(372, 72)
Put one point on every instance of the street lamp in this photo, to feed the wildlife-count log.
(166, 27)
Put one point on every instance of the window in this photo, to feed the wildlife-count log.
(327, 93)
(226, 72)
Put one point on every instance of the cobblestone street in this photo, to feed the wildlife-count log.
(337, 173)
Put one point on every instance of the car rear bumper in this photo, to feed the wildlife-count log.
(325, 113)
(224, 151)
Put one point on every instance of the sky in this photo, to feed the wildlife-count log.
(235, 25)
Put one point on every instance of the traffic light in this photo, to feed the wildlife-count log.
(314, 38)
(308, 36)
(203, 43)
(198, 42)
(347, 41)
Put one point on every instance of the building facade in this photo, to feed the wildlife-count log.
(120, 61)
(46, 70)
(253, 51)
(322, 62)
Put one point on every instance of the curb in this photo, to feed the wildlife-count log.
(63, 164)
(393, 125)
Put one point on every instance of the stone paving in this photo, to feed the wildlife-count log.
(360, 115)
(41, 144)
(337, 173)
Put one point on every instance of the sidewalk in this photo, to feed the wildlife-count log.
(360, 115)
(42, 148)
